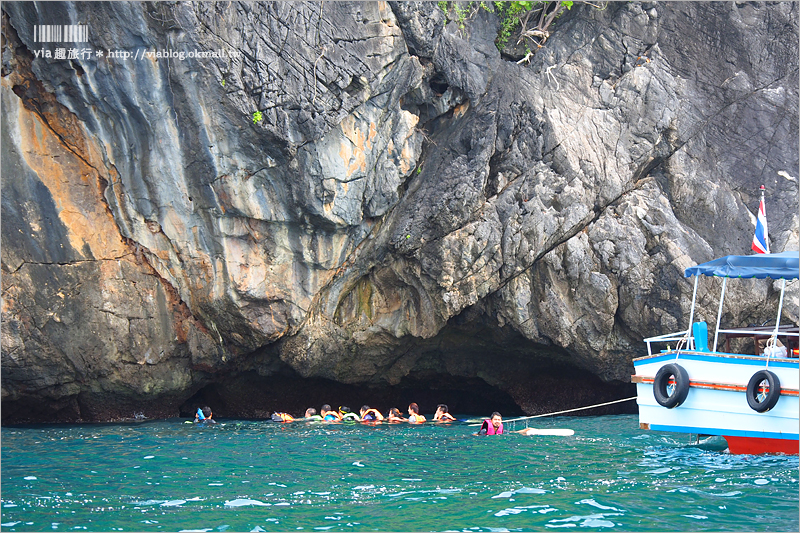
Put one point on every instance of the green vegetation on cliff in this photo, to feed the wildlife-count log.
(531, 20)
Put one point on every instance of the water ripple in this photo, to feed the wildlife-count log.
(262, 476)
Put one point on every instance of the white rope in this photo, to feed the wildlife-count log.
(567, 411)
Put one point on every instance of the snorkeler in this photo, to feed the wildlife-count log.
(493, 425)
(370, 415)
(413, 414)
(203, 416)
(395, 416)
(442, 414)
(327, 414)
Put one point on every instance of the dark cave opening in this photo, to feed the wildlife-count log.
(473, 365)
(249, 395)
(439, 85)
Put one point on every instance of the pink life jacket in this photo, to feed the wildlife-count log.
(490, 427)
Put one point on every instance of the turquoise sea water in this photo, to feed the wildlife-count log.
(265, 476)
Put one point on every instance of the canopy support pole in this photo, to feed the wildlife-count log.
(691, 314)
(773, 340)
(780, 309)
(719, 313)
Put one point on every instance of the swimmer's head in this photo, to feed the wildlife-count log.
(324, 409)
(364, 409)
(497, 419)
(310, 412)
(442, 408)
(413, 408)
(394, 411)
(344, 409)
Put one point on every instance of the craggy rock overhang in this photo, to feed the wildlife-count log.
(369, 201)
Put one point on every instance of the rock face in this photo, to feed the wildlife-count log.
(368, 197)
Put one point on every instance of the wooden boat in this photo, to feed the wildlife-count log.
(749, 398)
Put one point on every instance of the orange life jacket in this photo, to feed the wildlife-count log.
(285, 417)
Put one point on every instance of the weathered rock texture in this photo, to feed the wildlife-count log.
(411, 213)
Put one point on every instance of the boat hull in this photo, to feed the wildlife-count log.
(716, 403)
(755, 446)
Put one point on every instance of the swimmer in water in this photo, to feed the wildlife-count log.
(493, 425)
(311, 415)
(442, 414)
(347, 415)
(282, 417)
(203, 416)
(370, 415)
(327, 414)
(395, 415)
(413, 414)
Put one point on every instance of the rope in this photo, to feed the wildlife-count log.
(567, 411)
(684, 340)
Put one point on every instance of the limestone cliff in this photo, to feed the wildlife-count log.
(330, 197)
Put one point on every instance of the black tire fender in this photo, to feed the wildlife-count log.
(773, 394)
(661, 381)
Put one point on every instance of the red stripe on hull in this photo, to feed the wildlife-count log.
(754, 445)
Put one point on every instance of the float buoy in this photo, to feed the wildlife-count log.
(662, 380)
(759, 401)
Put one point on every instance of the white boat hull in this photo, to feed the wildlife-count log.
(716, 403)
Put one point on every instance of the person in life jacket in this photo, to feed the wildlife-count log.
(327, 414)
(442, 414)
(413, 414)
(395, 416)
(347, 415)
(311, 415)
(282, 417)
(493, 425)
(370, 415)
(203, 416)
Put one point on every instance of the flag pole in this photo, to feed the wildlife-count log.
(761, 237)
(764, 206)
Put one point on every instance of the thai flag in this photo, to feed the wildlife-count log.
(761, 238)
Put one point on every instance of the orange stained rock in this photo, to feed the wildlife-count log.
(353, 153)
(73, 184)
(373, 132)
(459, 110)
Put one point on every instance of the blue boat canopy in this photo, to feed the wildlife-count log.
(784, 265)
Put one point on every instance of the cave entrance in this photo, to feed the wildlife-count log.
(251, 396)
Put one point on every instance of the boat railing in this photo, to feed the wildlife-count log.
(669, 337)
(755, 332)
(761, 332)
